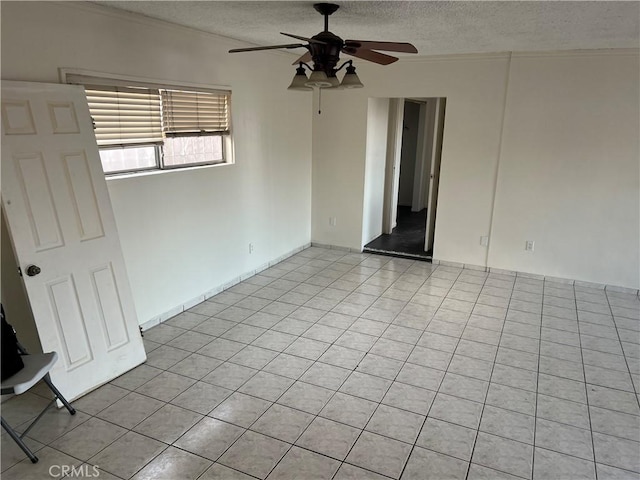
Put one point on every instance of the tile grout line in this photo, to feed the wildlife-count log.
(439, 384)
(586, 394)
(484, 403)
(315, 415)
(633, 385)
(260, 416)
(390, 385)
(355, 369)
(535, 421)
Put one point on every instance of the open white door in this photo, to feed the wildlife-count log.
(59, 214)
(392, 168)
(434, 172)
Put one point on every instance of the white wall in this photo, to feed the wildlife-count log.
(184, 232)
(569, 169)
(338, 168)
(564, 171)
(474, 87)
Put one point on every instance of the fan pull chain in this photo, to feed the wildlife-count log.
(319, 101)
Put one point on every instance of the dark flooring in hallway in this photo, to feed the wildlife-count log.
(407, 239)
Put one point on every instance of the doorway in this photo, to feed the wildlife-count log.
(411, 178)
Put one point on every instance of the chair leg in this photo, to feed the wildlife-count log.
(47, 380)
(19, 441)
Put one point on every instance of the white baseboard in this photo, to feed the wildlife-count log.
(216, 289)
(336, 247)
(546, 278)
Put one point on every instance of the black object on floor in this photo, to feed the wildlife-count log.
(406, 240)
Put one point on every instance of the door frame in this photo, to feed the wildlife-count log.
(427, 168)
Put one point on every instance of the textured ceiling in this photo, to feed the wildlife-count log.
(434, 27)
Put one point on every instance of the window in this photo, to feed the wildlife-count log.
(152, 127)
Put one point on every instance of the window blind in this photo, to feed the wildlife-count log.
(125, 115)
(200, 113)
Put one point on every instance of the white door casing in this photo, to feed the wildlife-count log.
(422, 149)
(434, 172)
(55, 199)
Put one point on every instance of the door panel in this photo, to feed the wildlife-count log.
(109, 307)
(63, 117)
(72, 335)
(59, 215)
(36, 192)
(17, 118)
(83, 196)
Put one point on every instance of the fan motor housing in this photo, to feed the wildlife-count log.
(326, 55)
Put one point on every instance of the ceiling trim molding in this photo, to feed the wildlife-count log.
(506, 55)
(581, 53)
(455, 57)
(134, 17)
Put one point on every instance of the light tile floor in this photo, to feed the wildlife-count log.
(334, 365)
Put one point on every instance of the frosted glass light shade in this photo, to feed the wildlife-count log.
(318, 79)
(299, 81)
(335, 83)
(350, 79)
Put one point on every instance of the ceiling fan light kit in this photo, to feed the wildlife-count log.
(299, 82)
(318, 78)
(323, 56)
(350, 79)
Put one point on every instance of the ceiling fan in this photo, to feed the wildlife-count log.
(323, 51)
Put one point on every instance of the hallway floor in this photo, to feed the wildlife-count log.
(407, 238)
(335, 365)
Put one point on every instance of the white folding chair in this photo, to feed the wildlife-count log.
(36, 368)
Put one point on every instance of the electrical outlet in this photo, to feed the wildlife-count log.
(529, 245)
(251, 248)
(332, 221)
(484, 240)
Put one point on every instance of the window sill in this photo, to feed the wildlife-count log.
(145, 173)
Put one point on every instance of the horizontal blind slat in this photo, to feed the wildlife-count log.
(203, 112)
(125, 115)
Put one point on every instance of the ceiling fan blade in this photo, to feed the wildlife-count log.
(403, 47)
(306, 58)
(269, 47)
(310, 40)
(371, 56)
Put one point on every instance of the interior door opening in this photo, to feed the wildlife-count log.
(412, 175)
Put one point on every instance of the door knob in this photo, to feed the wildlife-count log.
(33, 270)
